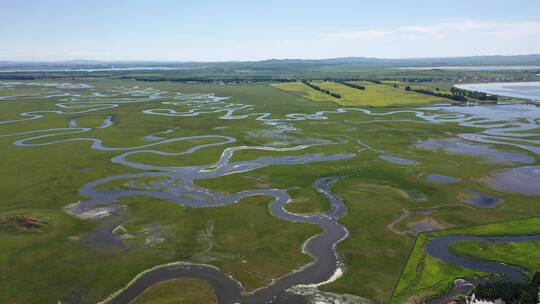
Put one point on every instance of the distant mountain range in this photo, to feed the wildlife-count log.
(533, 59)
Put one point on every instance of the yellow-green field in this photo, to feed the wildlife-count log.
(303, 90)
(442, 88)
(525, 254)
(375, 95)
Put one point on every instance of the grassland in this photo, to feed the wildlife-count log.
(378, 95)
(435, 277)
(524, 254)
(59, 261)
(303, 90)
(375, 95)
(56, 263)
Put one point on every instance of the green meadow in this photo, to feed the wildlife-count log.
(436, 277)
(54, 261)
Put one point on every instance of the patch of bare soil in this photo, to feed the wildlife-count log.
(23, 223)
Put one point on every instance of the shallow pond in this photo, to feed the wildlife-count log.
(524, 180)
(442, 179)
(397, 160)
(481, 200)
(486, 151)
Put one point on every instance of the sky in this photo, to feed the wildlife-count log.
(211, 30)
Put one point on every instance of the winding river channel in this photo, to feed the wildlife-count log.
(503, 124)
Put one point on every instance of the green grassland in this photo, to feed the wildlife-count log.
(524, 254)
(436, 277)
(56, 263)
(303, 90)
(375, 95)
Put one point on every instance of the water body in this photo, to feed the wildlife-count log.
(461, 287)
(514, 125)
(481, 200)
(462, 147)
(397, 160)
(475, 67)
(442, 179)
(489, 113)
(73, 123)
(525, 180)
(526, 90)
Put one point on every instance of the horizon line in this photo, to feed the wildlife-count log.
(253, 60)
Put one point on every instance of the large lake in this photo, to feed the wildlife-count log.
(527, 90)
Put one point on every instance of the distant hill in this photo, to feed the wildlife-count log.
(533, 59)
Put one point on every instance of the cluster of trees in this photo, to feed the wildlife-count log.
(432, 93)
(19, 77)
(510, 292)
(473, 94)
(204, 79)
(325, 91)
(419, 80)
(375, 81)
(352, 85)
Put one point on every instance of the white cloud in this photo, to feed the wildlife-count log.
(442, 31)
(442, 39)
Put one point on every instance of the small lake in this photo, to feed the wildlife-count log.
(527, 90)
(442, 179)
(481, 200)
(397, 160)
(524, 180)
(507, 112)
(488, 152)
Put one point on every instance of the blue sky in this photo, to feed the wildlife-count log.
(249, 30)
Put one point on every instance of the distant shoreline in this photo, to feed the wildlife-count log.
(473, 68)
(526, 90)
(101, 69)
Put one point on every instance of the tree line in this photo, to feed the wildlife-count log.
(352, 85)
(323, 90)
(473, 94)
(437, 94)
(509, 292)
(375, 81)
